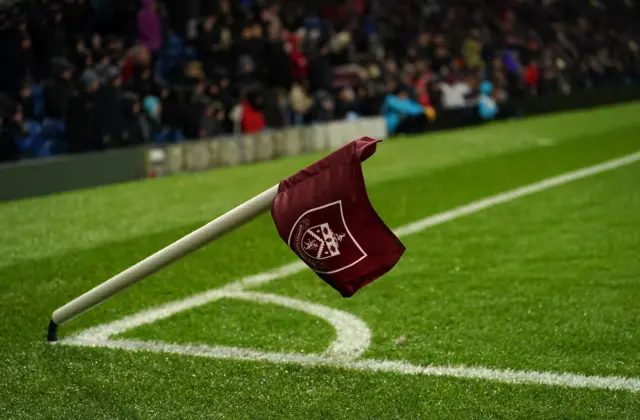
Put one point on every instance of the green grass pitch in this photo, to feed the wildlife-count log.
(548, 282)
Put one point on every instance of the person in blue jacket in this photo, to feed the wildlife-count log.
(159, 133)
(396, 107)
(487, 106)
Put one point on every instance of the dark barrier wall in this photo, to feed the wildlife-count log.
(527, 107)
(50, 175)
(580, 99)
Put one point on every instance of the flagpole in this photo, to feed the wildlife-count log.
(168, 255)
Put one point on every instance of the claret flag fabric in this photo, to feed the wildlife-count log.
(323, 213)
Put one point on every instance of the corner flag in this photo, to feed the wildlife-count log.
(323, 213)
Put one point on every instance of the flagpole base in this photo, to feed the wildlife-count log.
(52, 332)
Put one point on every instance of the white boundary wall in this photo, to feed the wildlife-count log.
(204, 154)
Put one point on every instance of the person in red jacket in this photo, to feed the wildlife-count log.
(531, 75)
(299, 63)
(252, 119)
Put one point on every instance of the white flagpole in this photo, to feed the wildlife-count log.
(170, 254)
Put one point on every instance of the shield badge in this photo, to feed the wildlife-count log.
(322, 239)
(320, 242)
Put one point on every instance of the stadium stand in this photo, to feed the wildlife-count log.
(85, 75)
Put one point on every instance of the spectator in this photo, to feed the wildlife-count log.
(16, 58)
(300, 102)
(280, 69)
(277, 114)
(319, 70)
(142, 80)
(224, 93)
(200, 105)
(126, 21)
(37, 22)
(422, 91)
(398, 107)
(486, 105)
(153, 111)
(251, 116)
(531, 76)
(95, 44)
(110, 119)
(135, 59)
(211, 119)
(472, 51)
(77, 16)
(9, 131)
(81, 56)
(346, 104)
(209, 46)
(371, 100)
(247, 72)
(136, 129)
(156, 131)
(114, 49)
(324, 107)
(340, 48)
(150, 26)
(298, 61)
(239, 66)
(455, 92)
(251, 49)
(58, 90)
(271, 17)
(175, 109)
(82, 120)
(56, 39)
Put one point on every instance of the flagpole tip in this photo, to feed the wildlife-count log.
(52, 332)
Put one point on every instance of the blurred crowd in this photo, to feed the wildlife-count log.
(84, 75)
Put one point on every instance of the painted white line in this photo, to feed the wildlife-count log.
(545, 142)
(266, 277)
(352, 335)
(507, 196)
(566, 380)
(203, 350)
(569, 380)
(436, 219)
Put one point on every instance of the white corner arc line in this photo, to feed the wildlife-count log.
(352, 335)
(99, 336)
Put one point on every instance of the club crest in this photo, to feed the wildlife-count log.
(320, 242)
(323, 240)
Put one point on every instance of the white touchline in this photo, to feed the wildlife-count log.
(352, 334)
(568, 380)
